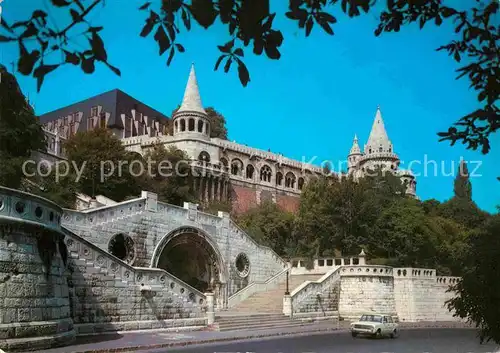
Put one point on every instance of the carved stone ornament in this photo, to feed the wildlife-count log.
(242, 264)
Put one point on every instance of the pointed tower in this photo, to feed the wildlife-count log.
(191, 119)
(378, 142)
(354, 155)
(378, 152)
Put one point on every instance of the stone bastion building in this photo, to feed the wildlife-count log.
(229, 171)
(142, 264)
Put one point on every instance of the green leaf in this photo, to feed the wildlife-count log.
(88, 65)
(239, 52)
(60, 3)
(170, 56)
(162, 39)
(243, 74)
(98, 48)
(145, 6)
(309, 26)
(217, 63)
(71, 58)
(186, 20)
(227, 66)
(180, 48)
(203, 12)
(75, 15)
(150, 23)
(40, 73)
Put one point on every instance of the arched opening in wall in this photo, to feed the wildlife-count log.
(176, 126)
(290, 180)
(300, 183)
(236, 167)
(183, 125)
(191, 124)
(223, 162)
(200, 125)
(279, 178)
(380, 149)
(204, 157)
(122, 246)
(189, 256)
(266, 173)
(249, 171)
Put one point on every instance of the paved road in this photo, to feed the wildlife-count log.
(410, 341)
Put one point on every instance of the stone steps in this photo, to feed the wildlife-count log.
(272, 301)
(258, 322)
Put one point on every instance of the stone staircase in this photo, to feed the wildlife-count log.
(271, 301)
(263, 310)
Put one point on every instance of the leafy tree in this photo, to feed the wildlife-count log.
(171, 176)
(249, 23)
(269, 225)
(20, 131)
(215, 206)
(217, 123)
(59, 189)
(462, 187)
(106, 166)
(478, 289)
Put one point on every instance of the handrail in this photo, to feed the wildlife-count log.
(92, 210)
(132, 269)
(309, 284)
(248, 289)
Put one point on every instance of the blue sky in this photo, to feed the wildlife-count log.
(308, 104)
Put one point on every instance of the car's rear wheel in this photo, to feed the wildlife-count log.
(394, 333)
(354, 334)
(378, 334)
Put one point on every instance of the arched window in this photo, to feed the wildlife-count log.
(236, 167)
(290, 180)
(183, 125)
(380, 149)
(204, 157)
(300, 183)
(266, 173)
(223, 162)
(176, 126)
(279, 178)
(191, 124)
(250, 171)
(369, 150)
(200, 125)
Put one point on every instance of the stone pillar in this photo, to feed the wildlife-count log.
(151, 200)
(34, 295)
(287, 305)
(207, 189)
(210, 308)
(362, 257)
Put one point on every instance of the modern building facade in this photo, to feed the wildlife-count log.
(227, 170)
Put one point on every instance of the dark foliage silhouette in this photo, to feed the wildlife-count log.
(250, 24)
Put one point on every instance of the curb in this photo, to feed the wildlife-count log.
(231, 339)
(205, 341)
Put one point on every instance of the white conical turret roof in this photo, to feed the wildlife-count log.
(378, 135)
(355, 146)
(192, 100)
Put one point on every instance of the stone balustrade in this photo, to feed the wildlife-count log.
(298, 266)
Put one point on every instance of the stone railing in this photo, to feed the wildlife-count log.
(298, 266)
(310, 290)
(152, 279)
(367, 270)
(256, 287)
(94, 216)
(268, 155)
(447, 280)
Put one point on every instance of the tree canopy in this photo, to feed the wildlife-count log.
(21, 133)
(250, 24)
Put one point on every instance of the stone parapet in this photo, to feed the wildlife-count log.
(34, 297)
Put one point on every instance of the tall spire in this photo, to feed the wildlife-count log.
(192, 100)
(355, 146)
(378, 136)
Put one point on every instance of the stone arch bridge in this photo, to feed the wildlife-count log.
(199, 251)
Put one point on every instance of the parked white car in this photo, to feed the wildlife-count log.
(376, 325)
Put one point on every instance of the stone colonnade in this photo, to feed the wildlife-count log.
(211, 188)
